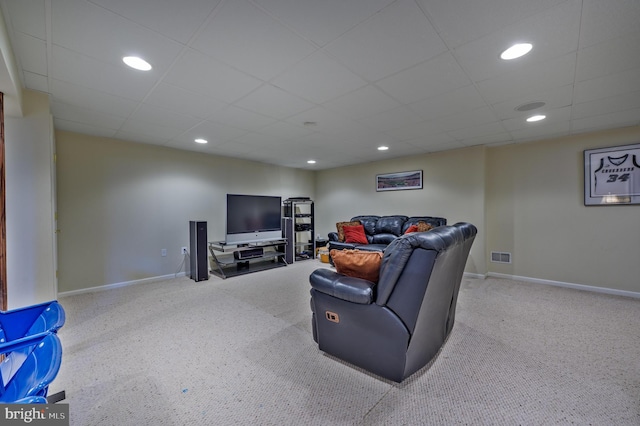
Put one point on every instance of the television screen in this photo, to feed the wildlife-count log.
(253, 217)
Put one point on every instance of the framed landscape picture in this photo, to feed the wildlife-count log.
(612, 175)
(398, 181)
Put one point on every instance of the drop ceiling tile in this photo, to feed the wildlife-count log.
(28, 17)
(220, 81)
(178, 20)
(396, 38)
(554, 116)
(541, 131)
(82, 70)
(36, 82)
(183, 101)
(417, 130)
(608, 20)
(603, 106)
(260, 141)
(325, 121)
(319, 79)
(214, 133)
(154, 115)
(454, 101)
(322, 21)
(284, 130)
(152, 137)
(433, 143)
(492, 139)
(233, 149)
(149, 131)
(361, 136)
(82, 115)
(546, 75)
(462, 120)
(81, 96)
(444, 146)
(83, 128)
(607, 121)
(431, 78)
(274, 102)
(468, 95)
(460, 21)
(187, 144)
(363, 102)
(109, 37)
(242, 35)
(475, 132)
(553, 33)
(241, 118)
(609, 57)
(607, 86)
(33, 51)
(556, 98)
(391, 119)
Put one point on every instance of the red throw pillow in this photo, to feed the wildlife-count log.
(341, 225)
(412, 228)
(355, 234)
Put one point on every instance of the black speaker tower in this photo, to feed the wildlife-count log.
(198, 251)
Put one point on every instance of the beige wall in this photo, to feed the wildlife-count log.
(121, 203)
(535, 210)
(526, 199)
(454, 188)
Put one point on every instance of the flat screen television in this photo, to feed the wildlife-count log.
(253, 218)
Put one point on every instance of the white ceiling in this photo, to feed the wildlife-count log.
(416, 75)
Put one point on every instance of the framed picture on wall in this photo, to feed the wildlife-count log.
(612, 175)
(398, 181)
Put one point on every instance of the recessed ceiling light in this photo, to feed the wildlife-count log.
(200, 140)
(534, 118)
(516, 51)
(311, 161)
(137, 63)
(383, 148)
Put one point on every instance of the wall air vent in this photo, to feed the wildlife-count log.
(499, 257)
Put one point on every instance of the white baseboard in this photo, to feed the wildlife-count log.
(475, 276)
(466, 275)
(116, 285)
(594, 289)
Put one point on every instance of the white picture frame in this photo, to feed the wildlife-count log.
(612, 176)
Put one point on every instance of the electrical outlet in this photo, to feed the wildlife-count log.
(163, 252)
(184, 250)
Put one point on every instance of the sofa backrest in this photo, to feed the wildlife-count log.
(387, 229)
(369, 223)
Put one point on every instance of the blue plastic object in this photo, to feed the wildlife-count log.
(30, 376)
(31, 400)
(32, 351)
(34, 319)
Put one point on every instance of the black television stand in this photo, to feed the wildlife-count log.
(227, 264)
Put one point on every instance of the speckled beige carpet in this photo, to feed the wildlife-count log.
(240, 352)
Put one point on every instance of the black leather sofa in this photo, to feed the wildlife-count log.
(382, 230)
(394, 327)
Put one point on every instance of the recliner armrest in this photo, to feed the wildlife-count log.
(343, 287)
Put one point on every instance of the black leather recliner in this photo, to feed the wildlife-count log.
(395, 327)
